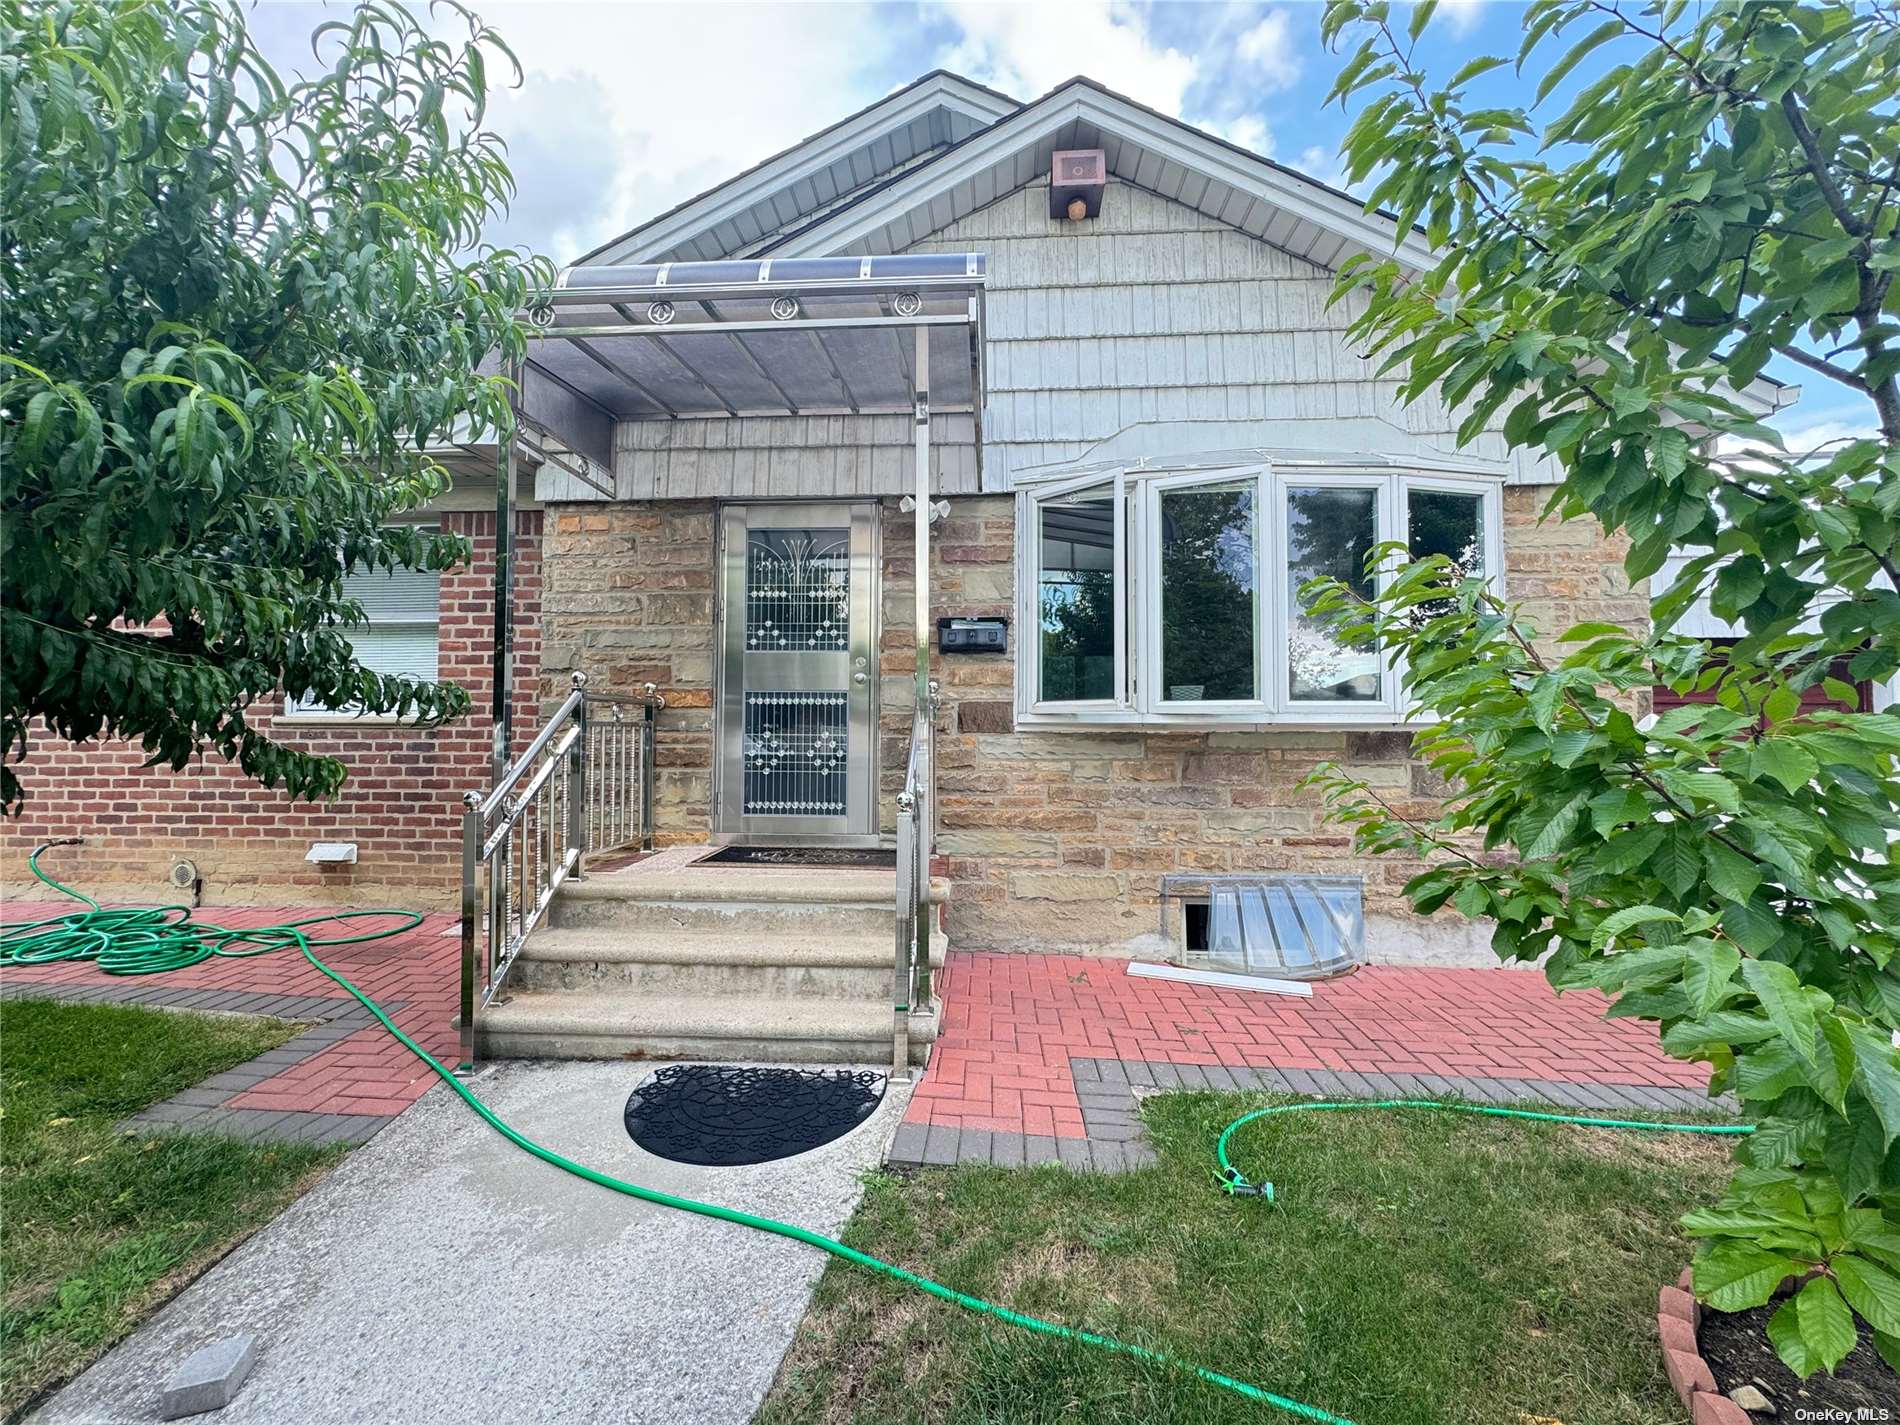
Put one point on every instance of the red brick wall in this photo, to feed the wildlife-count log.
(401, 805)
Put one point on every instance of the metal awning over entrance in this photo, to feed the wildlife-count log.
(713, 340)
(683, 341)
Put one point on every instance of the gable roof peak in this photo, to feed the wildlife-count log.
(907, 125)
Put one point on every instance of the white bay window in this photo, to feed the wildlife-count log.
(1172, 598)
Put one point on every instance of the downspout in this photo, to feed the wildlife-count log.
(503, 680)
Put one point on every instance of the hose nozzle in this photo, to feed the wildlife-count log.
(1234, 1184)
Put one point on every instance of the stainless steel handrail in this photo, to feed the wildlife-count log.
(911, 986)
(583, 785)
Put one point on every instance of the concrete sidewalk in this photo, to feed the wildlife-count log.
(442, 1274)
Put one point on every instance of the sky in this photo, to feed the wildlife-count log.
(627, 108)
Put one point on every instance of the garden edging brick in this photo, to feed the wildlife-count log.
(1678, 1319)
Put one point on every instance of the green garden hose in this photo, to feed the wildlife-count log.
(152, 940)
(1232, 1181)
(149, 941)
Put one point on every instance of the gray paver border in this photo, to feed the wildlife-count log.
(200, 1108)
(1114, 1140)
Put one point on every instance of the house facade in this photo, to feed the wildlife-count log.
(1142, 428)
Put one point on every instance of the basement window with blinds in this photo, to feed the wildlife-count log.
(1173, 598)
(402, 635)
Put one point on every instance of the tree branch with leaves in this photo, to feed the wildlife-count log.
(1610, 284)
(237, 314)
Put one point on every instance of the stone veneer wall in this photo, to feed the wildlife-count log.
(1053, 839)
(629, 600)
(1059, 839)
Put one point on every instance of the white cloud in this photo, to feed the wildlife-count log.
(1269, 47)
(1463, 15)
(627, 110)
(1250, 131)
(1812, 430)
(685, 96)
(1317, 161)
(1027, 49)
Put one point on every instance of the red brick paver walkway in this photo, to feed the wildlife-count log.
(1012, 1022)
(366, 1073)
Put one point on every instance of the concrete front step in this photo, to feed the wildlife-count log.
(741, 960)
(583, 1024)
(804, 904)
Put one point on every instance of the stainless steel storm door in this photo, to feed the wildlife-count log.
(796, 733)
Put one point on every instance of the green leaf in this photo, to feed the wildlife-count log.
(1786, 762)
(1550, 839)
(1754, 926)
(1784, 1331)
(1783, 999)
(1628, 918)
(1827, 1326)
(1855, 1149)
(1735, 1275)
(1777, 1142)
(1709, 974)
(1614, 808)
(1877, 1074)
(1833, 1064)
(1871, 1290)
(1733, 875)
(1678, 862)
(1694, 787)
(1626, 850)
(1781, 704)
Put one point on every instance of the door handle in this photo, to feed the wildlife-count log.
(860, 677)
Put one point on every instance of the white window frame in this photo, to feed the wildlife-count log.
(1029, 597)
(1137, 496)
(1493, 552)
(1324, 710)
(1153, 701)
(295, 712)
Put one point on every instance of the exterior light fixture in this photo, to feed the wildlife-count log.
(784, 308)
(907, 304)
(1077, 176)
(660, 313)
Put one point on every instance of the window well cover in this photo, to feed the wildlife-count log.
(1288, 926)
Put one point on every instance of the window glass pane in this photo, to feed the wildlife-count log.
(798, 590)
(401, 635)
(1447, 522)
(1207, 550)
(410, 650)
(405, 596)
(1329, 534)
(1076, 596)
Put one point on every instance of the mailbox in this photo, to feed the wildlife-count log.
(972, 635)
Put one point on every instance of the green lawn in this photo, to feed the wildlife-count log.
(102, 1226)
(1418, 1269)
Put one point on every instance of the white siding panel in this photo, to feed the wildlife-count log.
(786, 457)
(1157, 313)
(1161, 312)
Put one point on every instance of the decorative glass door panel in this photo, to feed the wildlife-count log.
(797, 716)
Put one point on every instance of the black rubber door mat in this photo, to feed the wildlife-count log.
(867, 857)
(727, 1115)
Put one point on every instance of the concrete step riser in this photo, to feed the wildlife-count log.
(807, 982)
(813, 921)
(529, 1044)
